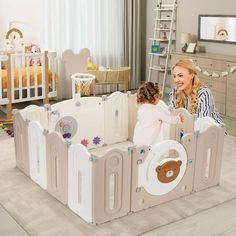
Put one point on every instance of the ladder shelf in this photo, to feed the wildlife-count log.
(163, 42)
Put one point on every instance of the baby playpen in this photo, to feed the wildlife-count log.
(22, 81)
(81, 152)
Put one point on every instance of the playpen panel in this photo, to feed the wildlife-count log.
(21, 143)
(178, 130)
(57, 166)
(36, 113)
(111, 186)
(208, 157)
(158, 177)
(37, 153)
(82, 119)
(132, 114)
(80, 181)
(116, 118)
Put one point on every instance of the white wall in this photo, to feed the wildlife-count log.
(28, 11)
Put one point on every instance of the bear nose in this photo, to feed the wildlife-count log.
(169, 173)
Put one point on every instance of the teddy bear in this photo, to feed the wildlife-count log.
(168, 171)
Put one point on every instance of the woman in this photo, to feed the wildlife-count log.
(190, 93)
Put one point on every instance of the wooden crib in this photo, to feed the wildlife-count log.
(20, 82)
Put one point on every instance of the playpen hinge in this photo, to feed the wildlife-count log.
(47, 107)
(104, 97)
(129, 93)
(45, 132)
(93, 158)
(55, 112)
(27, 121)
(196, 133)
(68, 143)
(131, 149)
(138, 189)
(189, 161)
(78, 103)
(14, 111)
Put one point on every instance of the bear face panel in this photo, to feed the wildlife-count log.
(169, 171)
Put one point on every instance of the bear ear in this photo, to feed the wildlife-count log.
(158, 169)
(179, 162)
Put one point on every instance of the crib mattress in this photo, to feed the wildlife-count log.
(24, 77)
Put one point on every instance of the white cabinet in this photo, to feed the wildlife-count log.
(218, 75)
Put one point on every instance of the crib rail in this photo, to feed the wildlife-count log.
(28, 77)
(3, 62)
(27, 83)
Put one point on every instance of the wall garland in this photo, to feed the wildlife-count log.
(215, 74)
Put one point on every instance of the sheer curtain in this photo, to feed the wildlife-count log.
(94, 24)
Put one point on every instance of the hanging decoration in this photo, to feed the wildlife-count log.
(214, 74)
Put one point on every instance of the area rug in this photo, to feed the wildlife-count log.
(38, 213)
(7, 126)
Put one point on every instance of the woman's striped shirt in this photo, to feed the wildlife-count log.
(206, 104)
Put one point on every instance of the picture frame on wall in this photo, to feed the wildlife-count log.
(191, 48)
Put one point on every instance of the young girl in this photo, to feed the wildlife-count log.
(150, 115)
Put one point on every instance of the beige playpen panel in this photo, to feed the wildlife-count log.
(21, 143)
(208, 158)
(111, 186)
(187, 126)
(57, 167)
(141, 199)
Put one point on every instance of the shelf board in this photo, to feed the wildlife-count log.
(160, 68)
(160, 29)
(158, 39)
(162, 19)
(163, 9)
(157, 54)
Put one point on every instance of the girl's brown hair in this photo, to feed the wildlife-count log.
(148, 93)
(187, 64)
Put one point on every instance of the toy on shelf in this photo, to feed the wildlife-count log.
(155, 48)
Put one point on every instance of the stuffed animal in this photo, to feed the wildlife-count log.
(33, 48)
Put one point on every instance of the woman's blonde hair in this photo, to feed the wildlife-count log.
(196, 84)
(148, 93)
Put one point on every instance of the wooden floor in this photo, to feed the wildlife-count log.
(26, 209)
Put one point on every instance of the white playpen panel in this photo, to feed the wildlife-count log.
(80, 181)
(89, 116)
(21, 143)
(57, 166)
(116, 118)
(132, 114)
(37, 154)
(36, 113)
